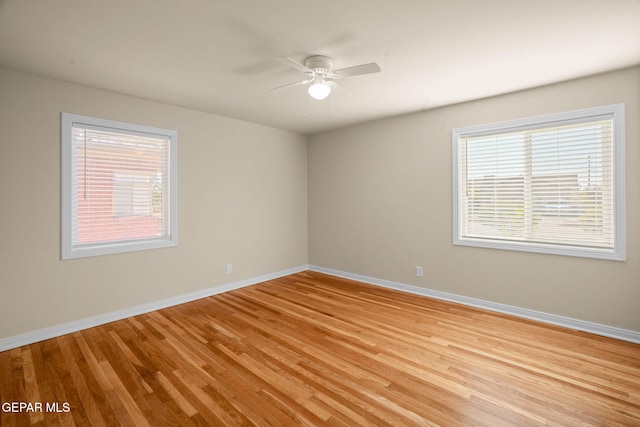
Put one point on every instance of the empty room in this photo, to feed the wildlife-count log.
(344, 213)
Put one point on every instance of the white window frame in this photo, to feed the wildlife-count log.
(71, 251)
(617, 113)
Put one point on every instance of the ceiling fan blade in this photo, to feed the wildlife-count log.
(357, 70)
(303, 82)
(294, 64)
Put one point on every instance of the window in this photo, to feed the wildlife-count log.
(132, 194)
(551, 184)
(118, 187)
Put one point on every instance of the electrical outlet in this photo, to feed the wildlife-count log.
(419, 271)
(229, 268)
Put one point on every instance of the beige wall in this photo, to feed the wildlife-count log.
(242, 200)
(380, 203)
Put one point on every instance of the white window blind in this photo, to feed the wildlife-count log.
(548, 184)
(119, 187)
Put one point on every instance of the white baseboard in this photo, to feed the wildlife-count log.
(567, 322)
(78, 325)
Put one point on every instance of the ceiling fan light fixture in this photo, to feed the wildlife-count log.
(319, 90)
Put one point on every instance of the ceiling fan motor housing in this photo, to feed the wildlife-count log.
(319, 64)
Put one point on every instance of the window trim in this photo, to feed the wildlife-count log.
(617, 113)
(68, 251)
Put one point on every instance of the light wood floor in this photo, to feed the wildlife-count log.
(311, 349)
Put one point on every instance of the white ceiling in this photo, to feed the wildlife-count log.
(218, 55)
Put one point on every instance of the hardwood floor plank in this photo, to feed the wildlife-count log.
(61, 385)
(312, 349)
(71, 349)
(31, 385)
(128, 401)
(89, 406)
(183, 403)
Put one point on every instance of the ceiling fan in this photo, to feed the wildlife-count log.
(320, 72)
